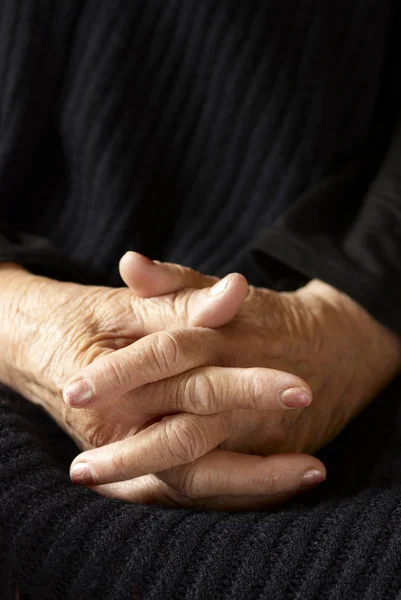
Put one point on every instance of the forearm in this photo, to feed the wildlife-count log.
(26, 303)
(17, 322)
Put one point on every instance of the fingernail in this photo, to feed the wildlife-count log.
(146, 259)
(296, 398)
(82, 474)
(311, 478)
(219, 287)
(78, 393)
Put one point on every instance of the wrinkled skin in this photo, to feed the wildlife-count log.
(316, 334)
(67, 326)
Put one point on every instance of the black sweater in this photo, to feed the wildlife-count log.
(259, 136)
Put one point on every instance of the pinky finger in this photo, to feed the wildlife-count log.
(224, 480)
(225, 473)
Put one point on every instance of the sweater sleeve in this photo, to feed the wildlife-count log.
(59, 542)
(34, 42)
(35, 253)
(348, 236)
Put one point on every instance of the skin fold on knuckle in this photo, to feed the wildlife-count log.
(182, 306)
(187, 482)
(114, 373)
(165, 351)
(255, 389)
(93, 431)
(273, 482)
(116, 465)
(182, 441)
(200, 395)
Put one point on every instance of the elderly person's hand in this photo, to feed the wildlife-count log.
(218, 390)
(50, 330)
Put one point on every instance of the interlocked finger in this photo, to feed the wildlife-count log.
(173, 441)
(209, 390)
(152, 358)
(223, 480)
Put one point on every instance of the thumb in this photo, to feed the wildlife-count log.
(217, 305)
(201, 300)
(148, 278)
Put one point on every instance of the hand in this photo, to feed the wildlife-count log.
(306, 333)
(302, 333)
(50, 330)
(317, 333)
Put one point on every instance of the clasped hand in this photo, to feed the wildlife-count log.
(221, 417)
(185, 390)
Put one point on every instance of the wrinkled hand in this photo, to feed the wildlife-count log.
(54, 329)
(64, 327)
(222, 379)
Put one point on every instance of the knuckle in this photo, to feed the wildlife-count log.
(185, 394)
(95, 437)
(255, 388)
(188, 484)
(273, 483)
(113, 373)
(90, 429)
(118, 465)
(166, 351)
(182, 441)
(202, 393)
(181, 306)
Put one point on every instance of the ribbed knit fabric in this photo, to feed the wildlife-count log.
(180, 129)
(62, 542)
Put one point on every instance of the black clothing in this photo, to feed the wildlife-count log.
(341, 541)
(192, 131)
(258, 136)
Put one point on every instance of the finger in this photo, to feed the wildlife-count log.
(210, 390)
(172, 358)
(232, 474)
(209, 307)
(224, 480)
(151, 490)
(214, 306)
(194, 305)
(152, 358)
(174, 441)
(148, 278)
